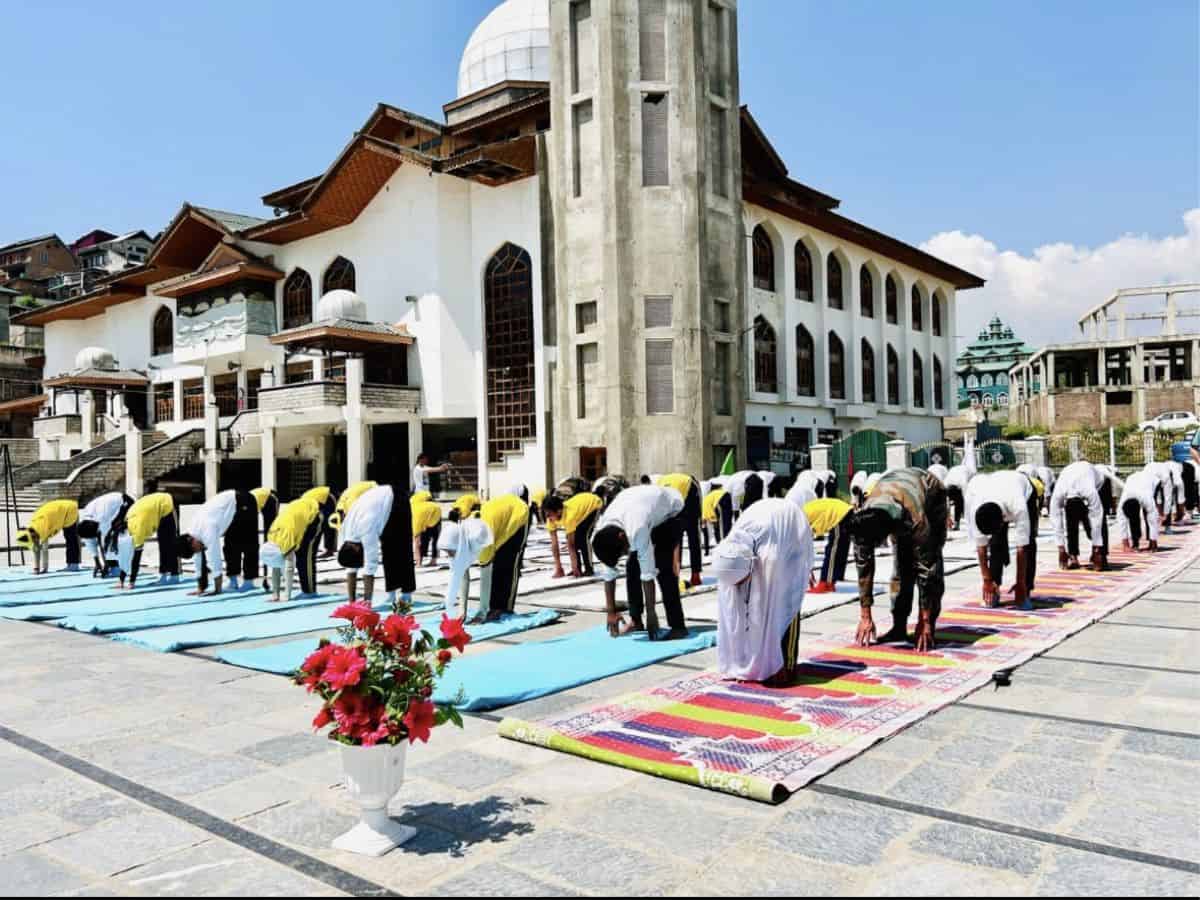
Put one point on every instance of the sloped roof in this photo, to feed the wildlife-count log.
(29, 242)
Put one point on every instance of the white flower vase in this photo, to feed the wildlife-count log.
(374, 776)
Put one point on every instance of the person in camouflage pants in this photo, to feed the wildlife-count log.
(909, 507)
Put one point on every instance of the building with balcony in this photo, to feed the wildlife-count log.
(982, 368)
(28, 266)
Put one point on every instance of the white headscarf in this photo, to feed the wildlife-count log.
(270, 555)
(466, 540)
(732, 562)
(801, 492)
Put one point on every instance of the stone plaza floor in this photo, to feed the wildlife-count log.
(127, 772)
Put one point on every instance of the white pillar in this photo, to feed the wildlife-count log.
(899, 454)
(87, 419)
(212, 437)
(177, 385)
(133, 463)
(414, 447)
(819, 456)
(356, 429)
(268, 456)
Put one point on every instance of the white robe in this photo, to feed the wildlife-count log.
(754, 615)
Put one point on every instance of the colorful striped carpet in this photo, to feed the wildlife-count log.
(764, 744)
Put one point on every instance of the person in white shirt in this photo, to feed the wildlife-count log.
(1180, 489)
(957, 480)
(938, 471)
(422, 470)
(745, 488)
(802, 491)
(1077, 503)
(770, 484)
(98, 526)
(997, 502)
(812, 481)
(378, 528)
(645, 523)
(761, 571)
(1165, 492)
(230, 519)
(1045, 475)
(1137, 509)
(858, 488)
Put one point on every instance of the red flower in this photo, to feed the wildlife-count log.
(419, 721)
(380, 733)
(453, 631)
(444, 656)
(354, 712)
(324, 717)
(396, 630)
(345, 669)
(318, 659)
(359, 614)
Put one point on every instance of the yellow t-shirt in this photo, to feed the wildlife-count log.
(677, 480)
(289, 526)
(319, 495)
(708, 508)
(467, 505)
(53, 517)
(425, 515)
(505, 515)
(145, 514)
(352, 493)
(261, 496)
(577, 509)
(422, 495)
(825, 515)
(537, 495)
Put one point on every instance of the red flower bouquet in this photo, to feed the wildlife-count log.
(375, 685)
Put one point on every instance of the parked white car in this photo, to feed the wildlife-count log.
(1172, 421)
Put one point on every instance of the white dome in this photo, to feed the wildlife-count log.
(341, 304)
(95, 358)
(512, 43)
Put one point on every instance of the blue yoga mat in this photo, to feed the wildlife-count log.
(516, 674)
(110, 601)
(284, 659)
(25, 573)
(95, 590)
(51, 582)
(287, 620)
(227, 606)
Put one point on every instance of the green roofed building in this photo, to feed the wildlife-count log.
(982, 368)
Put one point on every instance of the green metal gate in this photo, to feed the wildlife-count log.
(866, 449)
(993, 455)
(933, 453)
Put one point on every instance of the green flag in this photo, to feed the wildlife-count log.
(730, 465)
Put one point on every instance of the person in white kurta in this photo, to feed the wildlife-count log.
(858, 488)
(1165, 491)
(204, 538)
(96, 528)
(745, 488)
(762, 571)
(801, 493)
(996, 502)
(938, 471)
(1136, 510)
(1077, 502)
(812, 480)
(956, 482)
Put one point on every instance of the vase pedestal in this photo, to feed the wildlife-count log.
(373, 776)
(375, 834)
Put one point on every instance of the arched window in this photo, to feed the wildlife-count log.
(918, 381)
(916, 308)
(339, 276)
(1002, 399)
(985, 381)
(764, 260)
(508, 337)
(1002, 379)
(834, 277)
(804, 272)
(837, 367)
(972, 381)
(988, 400)
(868, 371)
(297, 299)
(766, 367)
(806, 363)
(939, 396)
(893, 376)
(866, 293)
(935, 314)
(892, 301)
(162, 336)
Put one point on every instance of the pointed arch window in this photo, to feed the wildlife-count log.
(508, 339)
(339, 276)
(833, 269)
(893, 376)
(868, 372)
(939, 395)
(766, 366)
(297, 299)
(806, 363)
(837, 367)
(866, 293)
(918, 381)
(162, 338)
(935, 315)
(804, 272)
(916, 308)
(892, 301)
(764, 260)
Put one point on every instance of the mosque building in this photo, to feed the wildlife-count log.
(982, 367)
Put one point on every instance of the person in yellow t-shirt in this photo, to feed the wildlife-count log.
(716, 512)
(292, 545)
(826, 517)
(346, 500)
(468, 505)
(576, 518)
(153, 514)
(426, 528)
(689, 489)
(46, 523)
(495, 540)
(326, 498)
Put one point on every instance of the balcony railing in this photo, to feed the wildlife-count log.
(58, 426)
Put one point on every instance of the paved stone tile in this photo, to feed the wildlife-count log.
(289, 748)
(545, 707)
(138, 758)
(1074, 873)
(490, 820)
(1170, 831)
(205, 775)
(743, 873)
(589, 863)
(119, 844)
(492, 880)
(28, 873)
(219, 869)
(100, 808)
(1044, 746)
(1050, 778)
(934, 784)
(1176, 748)
(19, 832)
(979, 847)
(306, 823)
(466, 771)
(1075, 731)
(838, 831)
(867, 773)
(938, 878)
(1015, 809)
(248, 796)
(23, 769)
(974, 750)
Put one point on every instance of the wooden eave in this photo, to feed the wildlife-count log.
(329, 338)
(495, 163)
(186, 241)
(87, 382)
(519, 110)
(91, 304)
(192, 283)
(24, 404)
(494, 89)
(761, 162)
(291, 196)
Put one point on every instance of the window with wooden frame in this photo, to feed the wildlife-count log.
(766, 360)
(866, 293)
(298, 372)
(660, 377)
(935, 315)
(297, 299)
(163, 332)
(916, 308)
(806, 363)
(253, 386)
(804, 272)
(656, 140)
(837, 367)
(939, 393)
(386, 366)
(833, 276)
(593, 462)
(508, 339)
(918, 381)
(892, 301)
(225, 390)
(193, 398)
(893, 376)
(164, 401)
(868, 371)
(764, 260)
(339, 276)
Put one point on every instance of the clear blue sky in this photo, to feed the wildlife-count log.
(1027, 122)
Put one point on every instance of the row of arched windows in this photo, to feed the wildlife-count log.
(766, 368)
(973, 381)
(764, 279)
(298, 293)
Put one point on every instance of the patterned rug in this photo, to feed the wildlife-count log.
(764, 744)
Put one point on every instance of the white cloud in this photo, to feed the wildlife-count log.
(1042, 296)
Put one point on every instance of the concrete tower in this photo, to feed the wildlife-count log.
(646, 205)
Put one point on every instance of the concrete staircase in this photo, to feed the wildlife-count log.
(161, 455)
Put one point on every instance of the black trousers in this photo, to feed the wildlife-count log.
(723, 522)
(328, 532)
(753, 493)
(955, 495)
(306, 556)
(506, 572)
(429, 541)
(1073, 527)
(664, 539)
(241, 538)
(1191, 491)
(583, 543)
(74, 551)
(108, 542)
(998, 553)
(168, 549)
(837, 554)
(395, 544)
(270, 511)
(690, 518)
